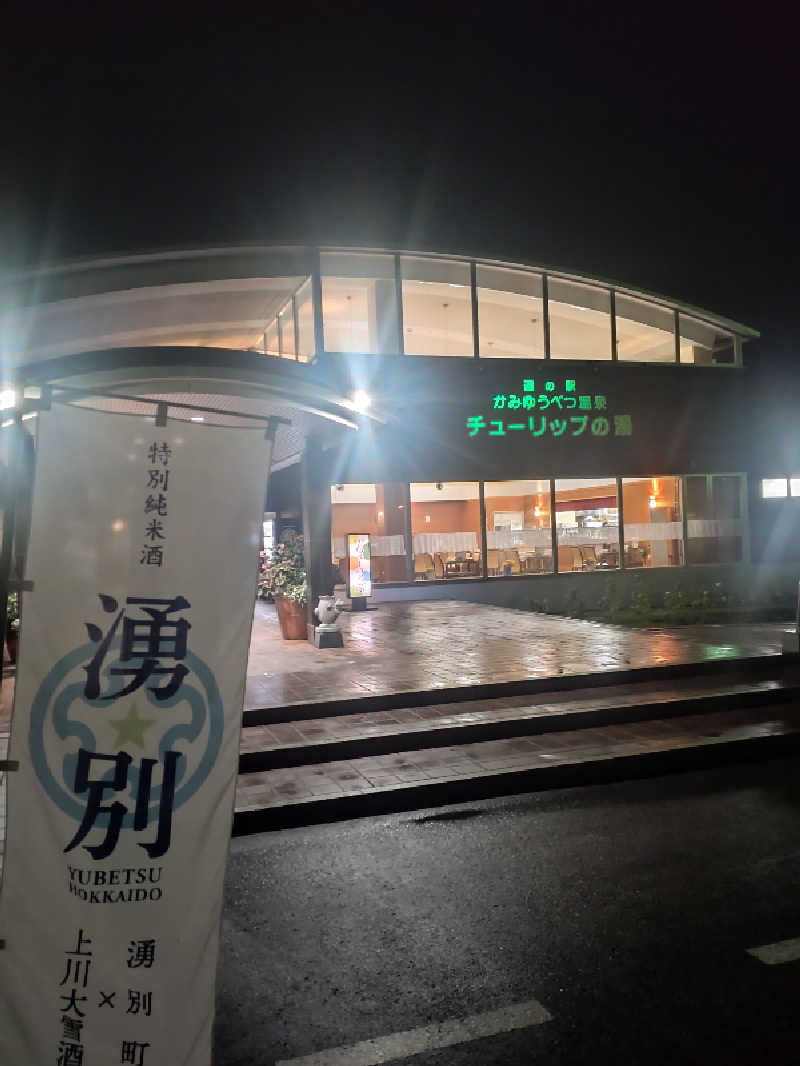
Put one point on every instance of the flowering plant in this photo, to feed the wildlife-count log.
(285, 573)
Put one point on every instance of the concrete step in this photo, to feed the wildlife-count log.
(439, 725)
(411, 780)
(756, 666)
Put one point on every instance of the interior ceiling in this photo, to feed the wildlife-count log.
(219, 314)
(234, 313)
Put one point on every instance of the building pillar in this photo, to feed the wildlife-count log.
(315, 492)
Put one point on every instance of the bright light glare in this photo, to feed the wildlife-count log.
(8, 398)
(197, 418)
(360, 401)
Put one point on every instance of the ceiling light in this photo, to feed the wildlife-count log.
(197, 418)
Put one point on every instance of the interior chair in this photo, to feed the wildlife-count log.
(438, 565)
(588, 556)
(634, 557)
(492, 560)
(569, 559)
(423, 565)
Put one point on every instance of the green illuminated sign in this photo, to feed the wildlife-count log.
(552, 400)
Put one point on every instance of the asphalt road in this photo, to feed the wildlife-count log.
(626, 911)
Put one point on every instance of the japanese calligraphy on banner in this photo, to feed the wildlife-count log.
(128, 706)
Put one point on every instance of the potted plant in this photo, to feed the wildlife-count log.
(284, 578)
(12, 626)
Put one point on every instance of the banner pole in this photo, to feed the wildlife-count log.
(9, 521)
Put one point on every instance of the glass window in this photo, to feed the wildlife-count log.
(359, 305)
(446, 530)
(774, 487)
(286, 331)
(510, 314)
(587, 524)
(271, 343)
(714, 518)
(794, 486)
(580, 320)
(645, 331)
(652, 521)
(437, 307)
(305, 321)
(518, 534)
(378, 510)
(704, 344)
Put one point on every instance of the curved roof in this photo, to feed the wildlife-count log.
(219, 297)
(58, 280)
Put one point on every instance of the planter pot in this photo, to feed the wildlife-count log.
(292, 618)
(12, 639)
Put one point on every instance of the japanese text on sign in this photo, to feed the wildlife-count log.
(570, 413)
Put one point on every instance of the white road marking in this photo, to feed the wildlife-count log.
(781, 951)
(428, 1037)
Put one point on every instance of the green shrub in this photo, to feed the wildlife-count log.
(641, 601)
(676, 599)
(575, 605)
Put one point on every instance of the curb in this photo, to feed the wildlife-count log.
(447, 736)
(754, 665)
(512, 782)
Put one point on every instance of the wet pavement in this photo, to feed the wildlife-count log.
(403, 647)
(626, 910)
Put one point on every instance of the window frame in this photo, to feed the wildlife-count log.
(470, 267)
(786, 494)
(744, 487)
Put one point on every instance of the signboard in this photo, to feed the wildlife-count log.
(555, 407)
(359, 566)
(129, 693)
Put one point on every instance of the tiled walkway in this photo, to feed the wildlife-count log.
(402, 647)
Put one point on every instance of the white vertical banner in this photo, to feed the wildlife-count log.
(130, 685)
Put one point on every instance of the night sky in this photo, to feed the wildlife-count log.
(653, 147)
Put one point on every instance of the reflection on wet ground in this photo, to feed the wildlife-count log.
(401, 647)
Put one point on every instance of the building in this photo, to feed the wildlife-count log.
(503, 432)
